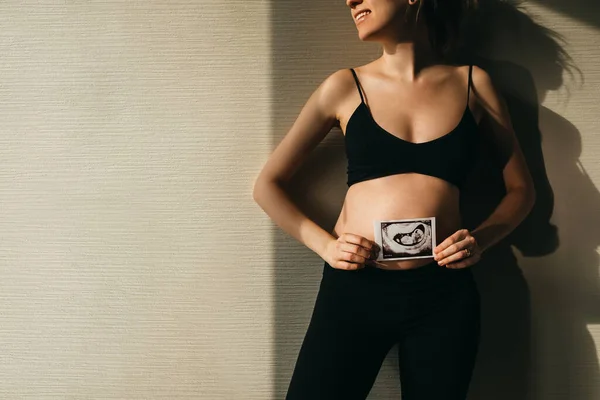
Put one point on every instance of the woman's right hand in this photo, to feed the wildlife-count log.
(351, 252)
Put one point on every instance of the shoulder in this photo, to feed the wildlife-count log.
(334, 91)
(342, 81)
(478, 75)
(449, 73)
(483, 88)
(481, 91)
(489, 97)
(337, 85)
(481, 79)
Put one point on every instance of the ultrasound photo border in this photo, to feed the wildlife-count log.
(379, 240)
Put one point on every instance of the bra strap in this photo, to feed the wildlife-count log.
(357, 85)
(469, 84)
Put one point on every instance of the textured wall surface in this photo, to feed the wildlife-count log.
(565, 286)
(133, 262)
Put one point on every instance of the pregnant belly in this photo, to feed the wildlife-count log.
(405, 196)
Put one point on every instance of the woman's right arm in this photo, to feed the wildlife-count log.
(318, 116)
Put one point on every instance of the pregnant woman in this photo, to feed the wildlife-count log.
(411, 124)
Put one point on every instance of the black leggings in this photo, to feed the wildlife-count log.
(431, 312)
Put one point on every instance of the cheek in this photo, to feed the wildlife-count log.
(393, 9)
(386, 15)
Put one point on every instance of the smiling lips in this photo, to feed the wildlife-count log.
(361, 15)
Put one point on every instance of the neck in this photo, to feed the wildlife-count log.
(406, 57)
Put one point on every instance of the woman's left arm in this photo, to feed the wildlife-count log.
(464, 248)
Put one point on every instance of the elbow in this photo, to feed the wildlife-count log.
(531, 198)
(533, 194)
(261, 189)
(526, 195)
(530, 194)
(257, 191)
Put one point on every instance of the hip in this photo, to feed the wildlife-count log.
(412, 290)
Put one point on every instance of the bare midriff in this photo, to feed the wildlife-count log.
(400, 196)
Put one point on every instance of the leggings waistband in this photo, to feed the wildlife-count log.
(427, 271)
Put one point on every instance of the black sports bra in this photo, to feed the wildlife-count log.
(373, 152)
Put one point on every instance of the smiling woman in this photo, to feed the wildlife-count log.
(443, 18)
(410, 122)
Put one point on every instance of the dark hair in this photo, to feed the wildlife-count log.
(443, 19)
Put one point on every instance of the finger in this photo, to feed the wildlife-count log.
(457, 256)
(455, 237)
(358, 240)
(348, 266)
(464, 263)
(352, 258)
(457, 247)
(356, 249)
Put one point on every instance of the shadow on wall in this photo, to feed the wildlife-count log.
(526, 61)
(551, 355)
(587, 11)
(310, 40)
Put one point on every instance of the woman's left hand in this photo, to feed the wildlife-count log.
(458, 251)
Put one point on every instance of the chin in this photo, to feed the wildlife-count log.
(367, 36)
(370, 33)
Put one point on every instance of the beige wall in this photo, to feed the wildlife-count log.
(133, 261)
(565, 286)
(131, 132)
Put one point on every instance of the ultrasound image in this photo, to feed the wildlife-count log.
(407, 238)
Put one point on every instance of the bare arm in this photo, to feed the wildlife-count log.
(520, 192)
(318, 116)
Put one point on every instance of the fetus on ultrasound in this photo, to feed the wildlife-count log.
(404, 239)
